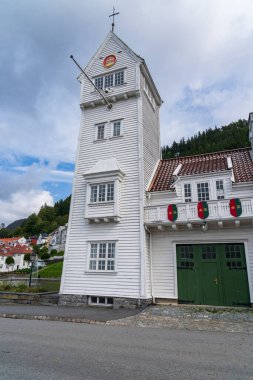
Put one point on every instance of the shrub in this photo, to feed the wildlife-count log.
(54, 252)
(45, 256)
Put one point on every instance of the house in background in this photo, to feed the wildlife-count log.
(13, 241)
(18, 253)
(57, 239)
(142, 229)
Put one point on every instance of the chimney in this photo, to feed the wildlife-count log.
(250, 122)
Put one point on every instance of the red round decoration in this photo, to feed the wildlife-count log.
(109, 61)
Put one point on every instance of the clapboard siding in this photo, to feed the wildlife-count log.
(164, 255)
(151, 135)
(126, 281)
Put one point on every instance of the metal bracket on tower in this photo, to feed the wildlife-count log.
(109, 105)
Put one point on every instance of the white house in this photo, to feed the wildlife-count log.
(18, 253)
(57, 239)
(142, 229)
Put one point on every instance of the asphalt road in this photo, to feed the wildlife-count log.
(56, 350)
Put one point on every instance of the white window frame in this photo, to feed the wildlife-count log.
(209, 191)
(113, 73)
(220, 192)
(101, 256)
(187, 198)
(97, 127)
(96, 191)
(113, 126)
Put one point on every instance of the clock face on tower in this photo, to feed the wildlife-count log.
(109, 61)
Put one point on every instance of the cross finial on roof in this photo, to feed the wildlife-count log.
(112, 15)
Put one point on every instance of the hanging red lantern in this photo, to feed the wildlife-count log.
(172, 213)
(235, 207)
(203, 211)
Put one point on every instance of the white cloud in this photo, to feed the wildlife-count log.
(23, 203)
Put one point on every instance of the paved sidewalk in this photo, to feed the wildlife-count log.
(172, 316)
(64, 313)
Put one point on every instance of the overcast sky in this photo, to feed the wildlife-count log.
(199, 53)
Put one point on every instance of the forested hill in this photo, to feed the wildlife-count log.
(232, 136)
(46, 221)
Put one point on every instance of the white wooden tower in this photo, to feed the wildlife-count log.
(107, 258)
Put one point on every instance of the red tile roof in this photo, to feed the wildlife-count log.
(203, 163)
(7, 250)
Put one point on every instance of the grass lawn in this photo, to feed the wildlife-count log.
(51, 271)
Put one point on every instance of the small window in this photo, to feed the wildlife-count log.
(114, 79)
(99, 82)
(110, 192)
(109, 80)
(187, 193)
(94, 193)
(103, 192)
(102, 256)
(116, 128)
(100, 132)
(119, 78)
(203, 191)
(220, 189)
(105, 301)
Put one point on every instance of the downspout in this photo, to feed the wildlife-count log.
(151, 265)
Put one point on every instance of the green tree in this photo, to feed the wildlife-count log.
(9, 261)
(27, 257)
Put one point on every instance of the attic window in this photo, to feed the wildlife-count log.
(116, 78)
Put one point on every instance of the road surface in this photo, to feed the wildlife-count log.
(38, 350)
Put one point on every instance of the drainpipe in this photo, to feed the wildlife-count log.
(151, 265)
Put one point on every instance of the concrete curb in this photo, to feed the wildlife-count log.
(53, 318)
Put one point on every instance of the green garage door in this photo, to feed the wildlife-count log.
(212, 274)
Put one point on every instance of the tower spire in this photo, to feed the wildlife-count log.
(112, 15)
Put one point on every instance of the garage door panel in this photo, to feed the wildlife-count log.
(212, 274)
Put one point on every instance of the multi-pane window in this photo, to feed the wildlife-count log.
(102, 256)
(119, 78)
(116, 128)
(94, 193)
(220, 189)
(102, 193)
(110, 192)
(109, 80)
(203, 191)
(99, 82)
(100, 132)
(187, 192)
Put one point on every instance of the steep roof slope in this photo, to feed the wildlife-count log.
(203, 163)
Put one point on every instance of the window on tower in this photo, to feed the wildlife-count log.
(99, 82)
(103, 192)
(116, 128)
(100, 132)
(117, 78)
(102, 256)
